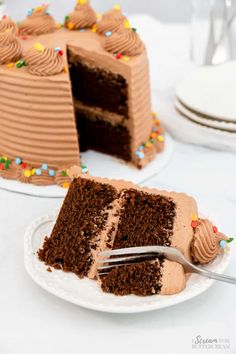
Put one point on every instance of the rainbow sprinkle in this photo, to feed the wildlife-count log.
(117, 7)
(27, 173)
(70, 25)
(84, 169)
(4, 163)
(108, 33)
(38, 172)
(82, 2)
(52, 173)
(39, 47)
(64, 173)
(44, 166)
(20, 64)
(59, 51)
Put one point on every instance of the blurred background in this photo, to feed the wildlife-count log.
(164, 10)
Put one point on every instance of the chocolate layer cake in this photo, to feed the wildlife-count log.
(66, 89)
(99, 214)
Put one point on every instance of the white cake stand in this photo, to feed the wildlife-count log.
(99, 165)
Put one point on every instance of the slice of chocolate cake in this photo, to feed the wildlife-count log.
(76, 235)
(99, 214)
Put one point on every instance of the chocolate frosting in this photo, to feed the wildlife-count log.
(173, 278)
(7, 24)
(43, 179)
(74, 172)
(206, 243)
(39, 22)
(111, 21)
(10, 173)
(45, 62)
(126, 42)
(83, 16)
(10, 47)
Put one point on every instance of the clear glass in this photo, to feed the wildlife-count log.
(212, 31)
(2, 8)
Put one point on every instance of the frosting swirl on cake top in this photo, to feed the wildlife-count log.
(10, 47)
(7, 24)
(42, 61)
(83, 16)
(125, 41)
(38, 21)
(206, 242)
(112, 20)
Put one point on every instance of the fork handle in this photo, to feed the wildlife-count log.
(212, 275)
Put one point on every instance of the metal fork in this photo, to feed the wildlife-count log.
(139, 253)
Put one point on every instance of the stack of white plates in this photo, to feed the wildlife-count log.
(207, 100)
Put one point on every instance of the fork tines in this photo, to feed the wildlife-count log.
(125, 256)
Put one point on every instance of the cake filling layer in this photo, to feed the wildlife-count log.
(81, 220)
(98, 134)
(94, 86)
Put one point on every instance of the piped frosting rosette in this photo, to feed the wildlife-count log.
(126, 41)
(41, 61)
(112, 20)
(10, 47)
(83, 16)
(38, 22)
(207, 242)
(7, 24)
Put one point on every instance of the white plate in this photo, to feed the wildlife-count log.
(211, 91)
(99, 165)
(86, 293)
(209, 123)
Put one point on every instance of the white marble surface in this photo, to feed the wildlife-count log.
(33, 321)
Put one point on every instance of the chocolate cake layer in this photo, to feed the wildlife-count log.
(97, 134)
(94, 86)
(81, 220)
(145, 220)
(140, 279)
